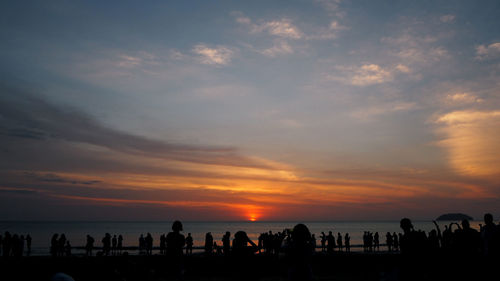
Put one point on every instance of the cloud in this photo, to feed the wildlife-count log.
(363, 75)
(332, 7)
(447, 18)
(281, 28)
(414, 50)
(488, 51)
(369, 113)
(219, 55)
(462, 98)
(369, 74)
(29, 120)
(471, 141)
(321, 33)
(280, 47)
(139, 59)
(285, 29)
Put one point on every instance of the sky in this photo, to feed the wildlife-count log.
(249, 110)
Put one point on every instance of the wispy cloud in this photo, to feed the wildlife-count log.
(462, 98)
(491, 51)
(471, 140)
(219, 55)
(332, 7)
(447, 18)
(416, 50)
(282, 28)
(371, 112)
(366, 74)
(280, 47)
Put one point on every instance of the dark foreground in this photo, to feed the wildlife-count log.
(354, 266)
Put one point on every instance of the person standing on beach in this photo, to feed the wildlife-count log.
(149, 244)
(53, 245)
(114, 243)
(189, 244)
(209, 243)
(226, 243)
(331, 242)
(175, 243)
(89, 246)
(299, 254)
(120, 244)
(347, 242)
(339, 241)
(175, 240)
(376, 242)
(388, 241)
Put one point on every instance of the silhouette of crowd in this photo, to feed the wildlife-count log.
(13, 245)
(60, 246)
(457, 239)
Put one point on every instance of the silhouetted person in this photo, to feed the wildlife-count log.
(175, 243)
(226, 243)
(209, 243)
(331, 242)
(446, 239)
(114, 245)
(388, 241)
(162, 244)
(54, 245)
(467, 240)
(413, 246)
(89, 246)
(376, 242)
(61, 244)
(106, 244)
(120, 244)
(241, 255)
(189, 244)
(28, 244)
(347, 242)
(299, 254)
(149, 244)
(339, 241)
(489, 234)
(240, 245)
(142, 244)
(413, 243)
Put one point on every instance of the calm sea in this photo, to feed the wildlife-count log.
(76, 232)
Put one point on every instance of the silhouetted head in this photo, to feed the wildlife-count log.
(329, 232)
(177, 226)
(465, 224)
(405, 224)
(488, 218)
(240, 235)
(301, 234)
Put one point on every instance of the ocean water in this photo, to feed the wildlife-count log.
(41, 232)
